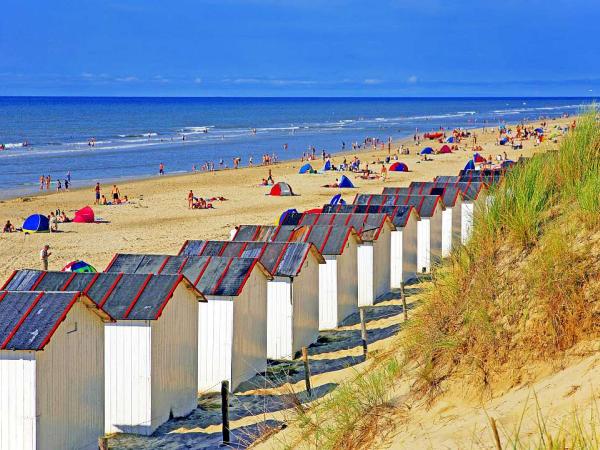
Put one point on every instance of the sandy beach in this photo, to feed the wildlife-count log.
(158, 220)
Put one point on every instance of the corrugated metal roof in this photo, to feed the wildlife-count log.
(447, 179)
(211, 275)
(425, 205)
(329, 240)
(254, 233)
(29, 319)
(372, 222)
(279, 258)
(398, 214)
(123, 296)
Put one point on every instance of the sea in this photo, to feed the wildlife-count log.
(132, 136)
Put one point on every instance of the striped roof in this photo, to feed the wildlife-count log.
(254, 232)
(426, 205)
(329, 240)
(279, 258)
(123, 296)
(469, 190)
(211, 275)
(28, 320)
(399, 214)
(368, 226)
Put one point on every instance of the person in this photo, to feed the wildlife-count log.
(97, 191)
(53, 222)
(69, 176)
(270, 178)
(8, 227)
(44, 254)
(58, 186)
(103, 200)
(42, 182)
(161, 169)
(384, 172)
(63, 218)
(48, 181)
(115, 194)
(190, 199)
(66, 185)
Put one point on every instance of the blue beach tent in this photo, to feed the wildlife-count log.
(345, 182)
(326, 166)
(427, 151)
(450, 139)
(306, 168)
(285, 214)
(503, 141)
(36, 223)
(470, 165)
(337, 200)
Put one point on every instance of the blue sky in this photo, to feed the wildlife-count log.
(300, 48)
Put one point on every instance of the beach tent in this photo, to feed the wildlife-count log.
(306, 168)
(345, 182)
(399, 167)
(281, 189)
(445, 149)
(539, 130)
(503, 141)
(470, 165)
(84, 215)
(427, 151)
(337, 199)
(450, 139)
(36, 223)
(79, 267)
(478, 158)
(326, 166)
(285, 213)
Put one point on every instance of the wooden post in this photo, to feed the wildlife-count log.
(403, 296)
(102, 443)
(306, 371)
(363, 331)
(225, 410)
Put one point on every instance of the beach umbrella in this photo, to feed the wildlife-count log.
(427, 151)
(79, 267)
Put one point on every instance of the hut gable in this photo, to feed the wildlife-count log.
(29, 319)
(279, 258)
(329, 240)
(367, 225)
(211, 275)
(254, 233)
(425, 205)
(124, 296)
(399, 214)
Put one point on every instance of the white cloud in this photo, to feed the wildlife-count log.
(372, 81)
(128, 79)
(198, 80)
(412, 79)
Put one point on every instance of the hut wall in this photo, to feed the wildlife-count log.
(364, 273)
(423, 245)
(70, 383)
(128, 354)
(446, 231)
(18, 400)
(215, 338)
(467, 209)
(409, 250)
(456, 223)
(328, 293)
(381, 267)
(250, 330)
(435, 235)
(305, 300)
(175, 358)
(279, 318)
(347, 279)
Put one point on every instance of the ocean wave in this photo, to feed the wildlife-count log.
(13, 145)
(539, 108)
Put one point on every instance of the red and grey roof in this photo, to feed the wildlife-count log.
(29, 319)
(449, 192)
(426, 205)
(211, 275)
(129, 296)
(279, 258)
(399, 214)
(254, 233)
(365, 224)
(328, 239)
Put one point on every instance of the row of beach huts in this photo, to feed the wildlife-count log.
(124, 350)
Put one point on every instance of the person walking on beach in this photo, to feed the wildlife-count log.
(42, 182)
(48, 181)
(97, 193)
(190, 199)
(161, 169)
(44, 254)
(58, 186)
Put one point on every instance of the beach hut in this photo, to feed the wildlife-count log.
(51, 371)
(452, 197)
(232, 325)
(445, 149)
(36, 223)
(403, 240)
(429, 226)
(281, 189)
(150, 350)
(398, 167)
(292, 294)
(345, 182)
(426, 151)
(306, 168)
(373, 256)
(338, 283)
(474, 193)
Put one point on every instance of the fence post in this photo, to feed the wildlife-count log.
(363, 331)
(225, 410)
(403, 296)
(306, 371)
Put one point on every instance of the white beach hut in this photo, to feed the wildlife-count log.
(292, 294)
(373, 258)
(338, 281)
(429, 226)
(150, 350)
(51, 371)
(232, 333)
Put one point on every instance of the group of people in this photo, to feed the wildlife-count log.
(46, 183)
(198, 202)
(100, 199)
